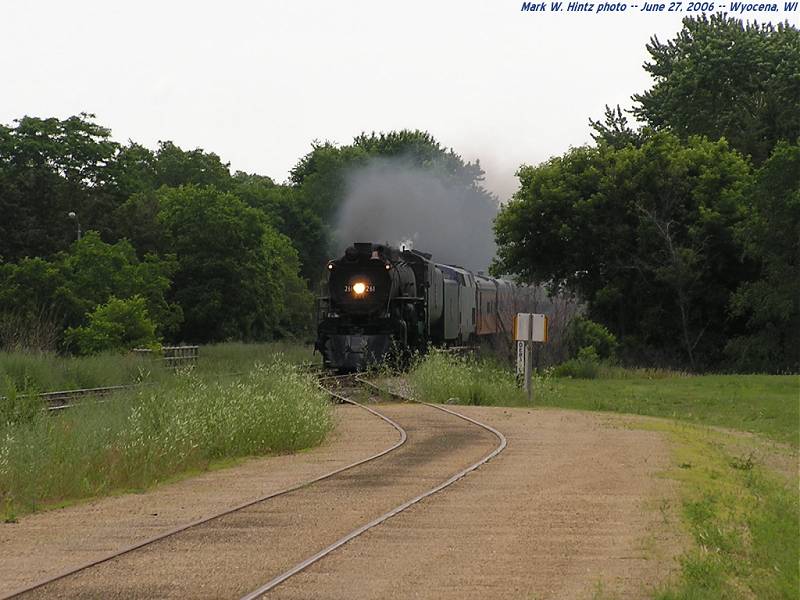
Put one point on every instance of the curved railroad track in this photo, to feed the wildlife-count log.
(276, 531)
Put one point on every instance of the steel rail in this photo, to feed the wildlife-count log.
(402, 440)
(276, 581)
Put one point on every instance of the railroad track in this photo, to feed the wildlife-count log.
(251, 520)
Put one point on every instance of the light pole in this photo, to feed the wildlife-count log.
(72, 215)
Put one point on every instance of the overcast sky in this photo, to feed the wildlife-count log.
(257, 82)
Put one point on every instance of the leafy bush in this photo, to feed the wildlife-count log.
(585, 333)
(142, 437)
(585, 366)
(115, 325)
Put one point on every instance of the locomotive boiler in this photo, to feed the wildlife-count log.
(383, 301)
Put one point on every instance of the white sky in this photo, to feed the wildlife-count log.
(257, 82)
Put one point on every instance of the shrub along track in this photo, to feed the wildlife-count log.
(234, 552)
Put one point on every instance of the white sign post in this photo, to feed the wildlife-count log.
(528, 328)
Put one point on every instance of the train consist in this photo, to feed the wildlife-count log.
(383, 301)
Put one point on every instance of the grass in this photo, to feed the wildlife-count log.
(447, 379)
(743, 521)
(768, 405)
(50, 372)
(238, 356)
(182, 424)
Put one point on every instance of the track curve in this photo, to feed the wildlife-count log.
(275, 582)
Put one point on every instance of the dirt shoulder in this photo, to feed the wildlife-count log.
(44, 544)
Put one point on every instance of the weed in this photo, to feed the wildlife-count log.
(744, 462)
(50, 372)
(9, 513)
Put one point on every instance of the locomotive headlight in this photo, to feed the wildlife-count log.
(359, 288)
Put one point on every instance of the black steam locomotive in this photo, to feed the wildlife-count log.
(384, 301)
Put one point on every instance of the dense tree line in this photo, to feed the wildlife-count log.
(170, 233)
(174, 246)
(682, 234)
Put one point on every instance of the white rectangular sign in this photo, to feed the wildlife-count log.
(538, 328)
(530, 327)
(522, 327)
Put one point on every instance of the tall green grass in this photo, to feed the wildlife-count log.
(444, 378)
(50, 372)
(768, 405)
(231, 357)
(45, 372)
(156, 432)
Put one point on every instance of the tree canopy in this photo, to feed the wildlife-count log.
(643, 234)
(722, 78)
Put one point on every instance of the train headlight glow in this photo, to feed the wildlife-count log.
(359, 288)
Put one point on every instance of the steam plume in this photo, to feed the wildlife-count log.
(392, 200)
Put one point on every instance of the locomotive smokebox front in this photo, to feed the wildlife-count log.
(360, 282)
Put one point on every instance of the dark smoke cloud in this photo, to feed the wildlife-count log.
(391, 200)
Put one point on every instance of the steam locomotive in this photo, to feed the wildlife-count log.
(384, 301)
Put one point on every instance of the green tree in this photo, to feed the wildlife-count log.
(723, 79)
(321, 177)
(644, 235)
(29, 316)
(137, 221)
(175, 167)
(290, 212)
(234, 268)
(117, 325)
(49, 167)
(93, 271)
(614, 130)
(770, 234)
(29, 286)
(62, 292)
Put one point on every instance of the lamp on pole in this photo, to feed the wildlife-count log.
(72, 215)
